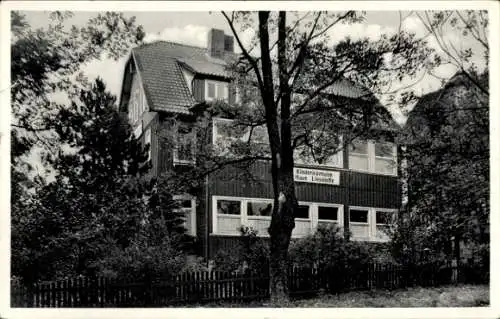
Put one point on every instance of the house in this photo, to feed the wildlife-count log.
(356, 189)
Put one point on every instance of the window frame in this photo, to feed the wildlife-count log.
(372, 223)
(371, 156)
(229, 200)
(367, 209)
(394, 158)
(338, 206)
(261, 200)
(217, 84)
(339, 155)
(384, 210)
(215, 133)
(244, 217)
(147, 140)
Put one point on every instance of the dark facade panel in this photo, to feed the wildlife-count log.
(150, 121)
(365, 181)
(229, 244)
(355, 188)
(199, 89)
(202, 222)
(373, 199)
(320, 193)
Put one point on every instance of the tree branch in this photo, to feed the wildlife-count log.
(475, 35)
(250, 59)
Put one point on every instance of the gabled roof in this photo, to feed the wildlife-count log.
(431, 100)
(161, 65)
(346, 88)
(162, 79)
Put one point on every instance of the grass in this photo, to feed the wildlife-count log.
(446, 296)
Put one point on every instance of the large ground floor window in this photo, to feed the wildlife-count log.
(230, 213)
(371, 224)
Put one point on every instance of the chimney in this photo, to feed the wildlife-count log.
(218, 43)
(228, 43)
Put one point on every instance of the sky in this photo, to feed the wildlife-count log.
(191, 28)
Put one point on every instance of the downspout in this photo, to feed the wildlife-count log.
(207, 221)
(348, 191)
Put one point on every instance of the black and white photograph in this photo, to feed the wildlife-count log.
(246, 155)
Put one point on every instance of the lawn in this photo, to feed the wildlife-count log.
(446, 296)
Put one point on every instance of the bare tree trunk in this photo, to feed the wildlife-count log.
(281, 228)
(282, 221)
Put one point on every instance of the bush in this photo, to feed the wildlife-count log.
(252, 255)
(194, 264)
(142, 260)
(327, 247)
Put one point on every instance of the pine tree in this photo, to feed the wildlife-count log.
(102, 205)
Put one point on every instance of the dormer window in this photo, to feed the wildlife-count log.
(216, 90)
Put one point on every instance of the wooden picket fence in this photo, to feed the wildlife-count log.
(187, 288)
(203, 287)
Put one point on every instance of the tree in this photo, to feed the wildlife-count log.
(447, 138)
(471, 26)
(45, 65)
(45, 61)
(289, 81)
(100, 202)
(91, 197)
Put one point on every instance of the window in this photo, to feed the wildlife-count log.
(259, 208)
(230, 213)
(187, 205)
(374, 157)
(237, 95)
(227, 135)
(315, 154)
(327, 213)
(259, 135)
(216, 90)
(384, 219)
(358, 156)
(359, 226)
(228, 207)
(258, 215)
(211, 90)
(358, 216)
(370, 224)
(184, 151)
(302, 211)
(147, 141)
(385, 158)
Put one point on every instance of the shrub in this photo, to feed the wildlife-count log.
(226, 261)
(194, 264)
(252, 255)
(142, 260)
(327, 247)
